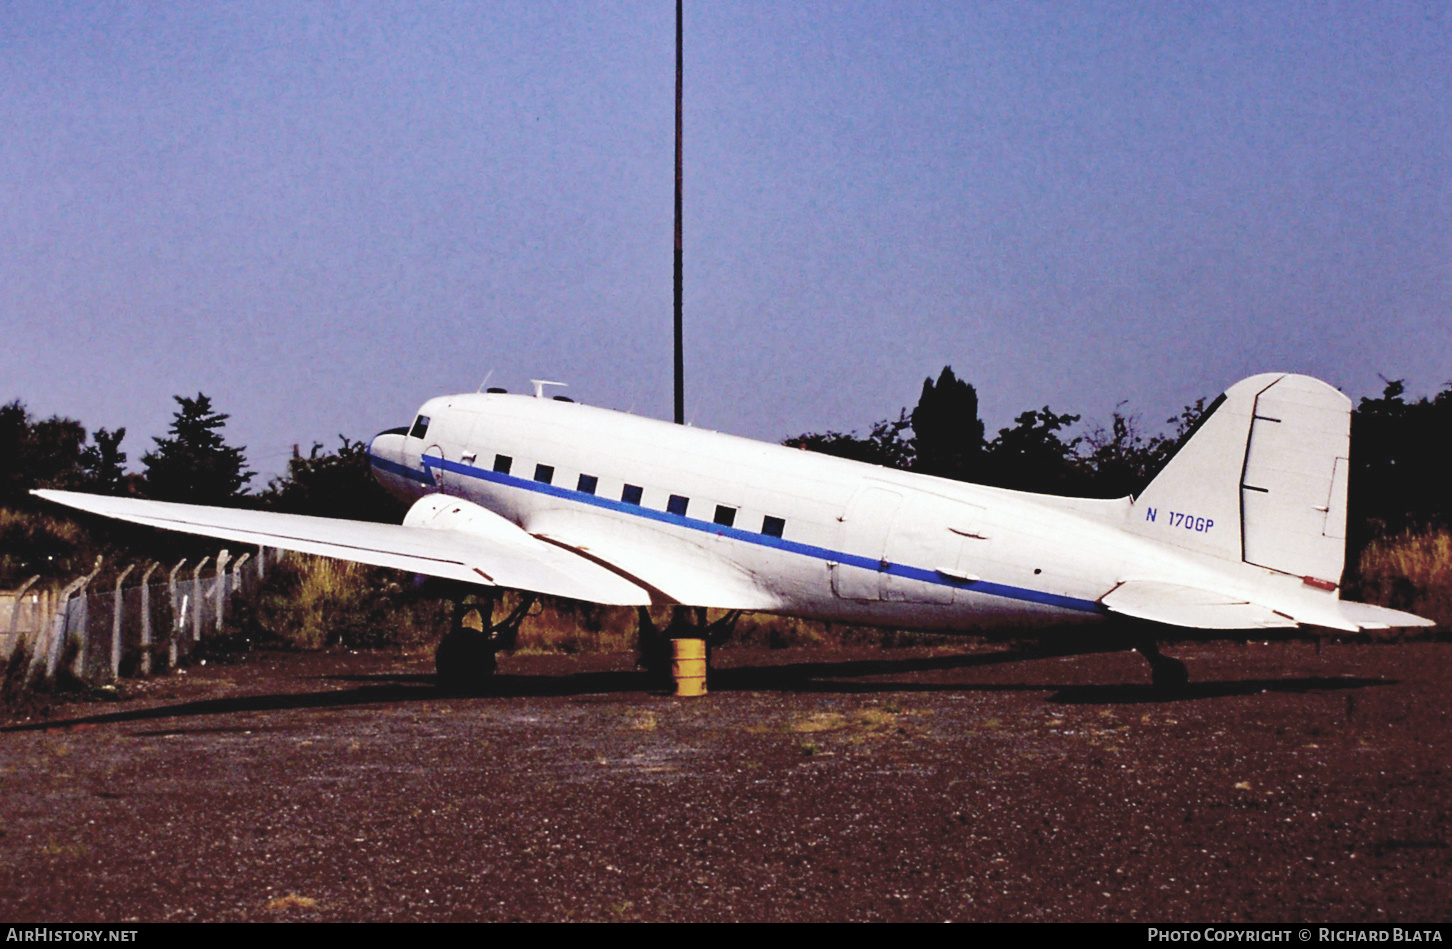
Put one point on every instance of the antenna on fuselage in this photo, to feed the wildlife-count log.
(539, 385)
(680, 359)
(485, 382)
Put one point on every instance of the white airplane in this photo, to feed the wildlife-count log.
(1244, 529)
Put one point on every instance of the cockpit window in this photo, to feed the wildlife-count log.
(420, 427)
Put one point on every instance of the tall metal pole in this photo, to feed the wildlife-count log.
(680, 344)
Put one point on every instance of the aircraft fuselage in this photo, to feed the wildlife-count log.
(708, 519)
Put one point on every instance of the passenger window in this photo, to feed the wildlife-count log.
(544, 473)
(772, 526)
(502, 463)
(677, 505)
(725, 516)
(632, 493)
(420, 427)
(587, 484)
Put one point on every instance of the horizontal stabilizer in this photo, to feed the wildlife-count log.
(1379, 617)
(445, 537)
(1186, 606)
(1195, 608)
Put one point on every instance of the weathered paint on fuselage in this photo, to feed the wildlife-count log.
(858, 543)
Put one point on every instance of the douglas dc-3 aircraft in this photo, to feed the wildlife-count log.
(1244, 529)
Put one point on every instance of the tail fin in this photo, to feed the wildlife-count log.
(1262, 480)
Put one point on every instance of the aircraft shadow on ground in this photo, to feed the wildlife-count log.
(827, 676)
(801, 677)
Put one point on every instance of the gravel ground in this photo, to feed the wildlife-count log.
(1288, 784)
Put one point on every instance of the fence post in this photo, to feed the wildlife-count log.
(261, 561)
(177, 617)
(116, 610)
(15, 617)
(41, 637)
(51, 637)
(220, 590)
(83, 637)
(239, 579)
(197, 600)
(239, 582)
(45, 634)
(146, 619)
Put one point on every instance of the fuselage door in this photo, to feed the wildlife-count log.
(863, 536)
(449, 438)
(931, 547)
(433, 465)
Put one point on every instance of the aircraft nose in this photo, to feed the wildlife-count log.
(386, 457)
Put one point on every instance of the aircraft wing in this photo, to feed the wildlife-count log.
(441, 537)
(683, 572)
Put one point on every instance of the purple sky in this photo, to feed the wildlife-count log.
(322, 214)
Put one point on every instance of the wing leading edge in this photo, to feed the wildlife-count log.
(441, 537)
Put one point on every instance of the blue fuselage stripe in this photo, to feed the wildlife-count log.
(750, 537)
(402, 471)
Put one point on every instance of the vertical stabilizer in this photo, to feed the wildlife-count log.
(1262, 479)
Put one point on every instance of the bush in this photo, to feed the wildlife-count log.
(314, 602)
(1411, 571)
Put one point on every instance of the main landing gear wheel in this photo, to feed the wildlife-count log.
(466, 657)
(464, 661)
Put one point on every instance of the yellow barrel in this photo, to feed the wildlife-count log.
(688, 666)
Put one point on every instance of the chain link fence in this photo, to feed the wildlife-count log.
(93, 636)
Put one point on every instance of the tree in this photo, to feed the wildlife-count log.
(104, 462)
(1398, 475)
(885, 445)
(50, 453)
(194, 464)
(333, 484)
(1032, 456)
(947, 432)
(14, 435)
(1123, 460)
(947, 435)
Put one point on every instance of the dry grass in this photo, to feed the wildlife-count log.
(291, 901)
(1411, 572)
(875, 720)
(570, 626)
(314, 602)
(641, 720)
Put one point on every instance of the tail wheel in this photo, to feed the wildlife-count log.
(1168, 675)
